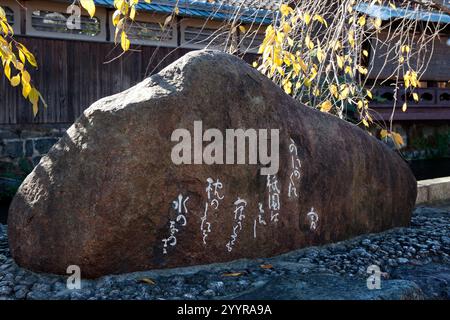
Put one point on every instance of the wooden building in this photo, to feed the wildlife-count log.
(425, 126)
(434, 86)
(78, 66)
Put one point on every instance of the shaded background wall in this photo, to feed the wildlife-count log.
(73, 74)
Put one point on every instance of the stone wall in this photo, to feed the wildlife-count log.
(21, 147)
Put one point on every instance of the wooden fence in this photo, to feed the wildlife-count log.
(73, 74)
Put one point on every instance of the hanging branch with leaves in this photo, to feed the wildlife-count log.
(15, 59)
(318, 52)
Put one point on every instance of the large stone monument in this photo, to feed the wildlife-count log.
(117, 193)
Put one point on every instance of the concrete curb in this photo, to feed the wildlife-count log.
(433, 190)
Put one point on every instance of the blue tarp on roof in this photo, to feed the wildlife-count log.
(200, 9)
(387, 13)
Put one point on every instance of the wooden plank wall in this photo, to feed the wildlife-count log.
(73, 74)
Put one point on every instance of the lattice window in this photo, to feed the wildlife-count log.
(64, 21)
(150, 32)
(54, 21)
(201, 36)
(9, 15)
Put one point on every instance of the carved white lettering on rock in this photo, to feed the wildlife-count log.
(296, 165)
(213, 194)
(239, 216)
(313, 219)
(180, 208)
(260, 219)
(274, 197)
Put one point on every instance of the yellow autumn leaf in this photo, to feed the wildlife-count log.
(285, 9)
(7, 69)
(242, 29)
(302, 64)
(148, 281)
(313, 74)
(15, 81)
(365, 53)
(2, 14)
(286, 28)
(337, 45)
(326, 106)
(320, 19)
(362, 70)
(287, 61)
(345, 91)
(415, 97)
(405, 49)
(340, 61)
(307, 18)
(384, 134)
(288, 87)
(360, 105)
(308, 42)
(414, 80)
(30, 57)
(362, 21)
(233, 274)
(89, 5)
(19, 66)
(26, 88)
(116, 17)
(124, 41)
(377, 23)
(351, 38)
(290, 41)
(407, 80)
(5, 27)
(334, 90)
(348, 70)
(33, 96)
(320, 55)
(397, 139)
(133, 13)
(22, 56)
(26, 76)
(350, 8)
(167, 21)
(352, 89)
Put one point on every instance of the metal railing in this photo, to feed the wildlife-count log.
(436, 97)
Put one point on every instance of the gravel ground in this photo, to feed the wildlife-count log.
(414, 261)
